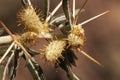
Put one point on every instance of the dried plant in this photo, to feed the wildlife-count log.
(58, 52)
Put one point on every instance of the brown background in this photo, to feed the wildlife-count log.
(103, 40)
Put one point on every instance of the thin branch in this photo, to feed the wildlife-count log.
(46, 7)
(76, 77)
(24, 49)
(6, 53)
(26, 2)
(61, 17)
(30, 62)
(5, 39)
(67, 11)
(54, 11)
(14, 39)
(74, 8)
(89, 57)
(35, 69)
(8, 39)
(7, 64)
(95, 17)
(29, 2)
(77, 16)
(7, 30)
(71, 74)
(67, 68)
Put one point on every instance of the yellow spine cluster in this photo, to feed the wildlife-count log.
(54, 49)
(76, 36)
(31, 20)
(26, 38)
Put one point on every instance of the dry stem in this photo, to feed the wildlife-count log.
(89, 57)
(95, 17)
(5, 39)
(14, 39)
(6, 53)
(6, 66)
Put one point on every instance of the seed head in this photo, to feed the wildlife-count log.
(26, 38)
(31, 21)
(54, 49)
(76, 36)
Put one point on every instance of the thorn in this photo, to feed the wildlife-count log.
(95, 17)
(89, 57)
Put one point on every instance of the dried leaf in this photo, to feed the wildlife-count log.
(35, 69)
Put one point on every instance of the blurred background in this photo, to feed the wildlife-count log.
(103, 40)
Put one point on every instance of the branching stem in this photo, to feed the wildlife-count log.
(14, 39)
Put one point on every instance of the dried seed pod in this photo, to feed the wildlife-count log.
(76, 36)
(27, 38)
(53, 50)
(28, 17)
